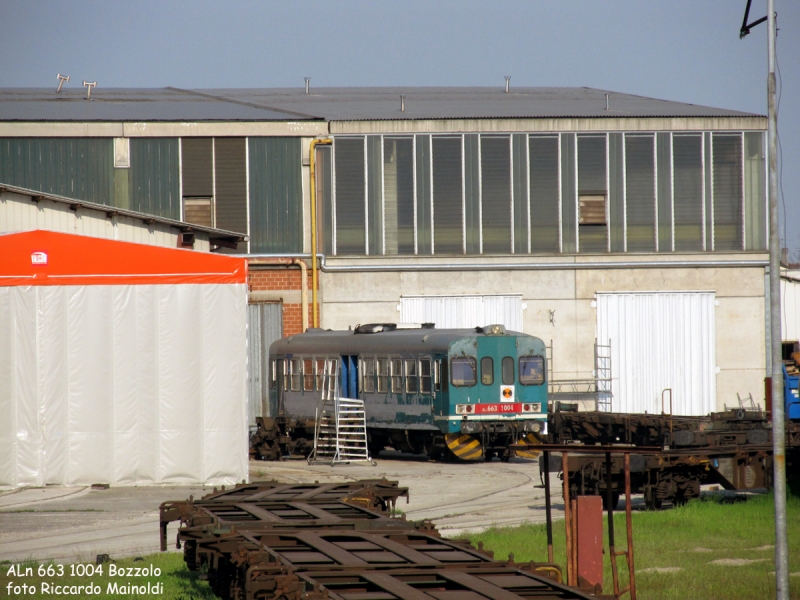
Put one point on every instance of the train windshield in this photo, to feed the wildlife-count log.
(531, 370)
(464, 371)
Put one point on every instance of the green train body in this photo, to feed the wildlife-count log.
(423, 388)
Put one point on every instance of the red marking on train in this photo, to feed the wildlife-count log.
(505, 407)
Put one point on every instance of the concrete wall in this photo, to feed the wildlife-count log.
(19, 212)
(362, 297)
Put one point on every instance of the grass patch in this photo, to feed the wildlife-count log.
(707, 549)
(178, 582)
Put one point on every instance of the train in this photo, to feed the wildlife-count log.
(447, 393)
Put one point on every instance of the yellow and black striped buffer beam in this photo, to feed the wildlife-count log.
(532, 439)
(464, 446)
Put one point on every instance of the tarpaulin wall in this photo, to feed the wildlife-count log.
(124, 384)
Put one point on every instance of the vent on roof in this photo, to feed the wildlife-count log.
(375, 327)
(61, 80)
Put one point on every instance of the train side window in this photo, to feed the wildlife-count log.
(295, 374)
(487, 370)
(280, 375)
(437, 375)
(369, 375)
(273, 374)
(308, 375)
(464, 371)
(411, 376)
(531, 370)
(383, 375)
(508, 371)
(425, 375)
(320, 372)
(397, 375)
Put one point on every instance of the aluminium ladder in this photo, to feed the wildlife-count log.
(340, 430)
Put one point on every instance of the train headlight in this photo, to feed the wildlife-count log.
(465, 409)
(532, 407)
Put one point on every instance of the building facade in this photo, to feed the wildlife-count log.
(611, 226)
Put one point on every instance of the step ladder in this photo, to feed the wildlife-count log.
(340, 429)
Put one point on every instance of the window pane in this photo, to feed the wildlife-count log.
(664, 162)
(616, 193)
(508, 370)
(755, 191)
(531, 370)
(447, 196)
(324, 179)
(543, 155)
(640, 193)
(568, 192)
(592, 193)
(349, 157)
(687, 159)
(374, 194)
(727, 152)
(425, 375)
(411, 376)
(472, 193)
(296, 374)
(520, 171)
(383, 375)
(320, 370)
(496, 194)
(280, 373)
(308, 375)
(273, 373)
(423, 182)
(464, 371)
(398, 194)
(368, 367)
(487, 370)
(397, 375)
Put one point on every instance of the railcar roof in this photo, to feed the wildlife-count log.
(317, 342)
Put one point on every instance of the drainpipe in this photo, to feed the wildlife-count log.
(303, 277)
(314, 276)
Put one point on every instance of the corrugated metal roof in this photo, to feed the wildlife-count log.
(336, 104)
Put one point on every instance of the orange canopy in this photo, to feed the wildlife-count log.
(51, 258)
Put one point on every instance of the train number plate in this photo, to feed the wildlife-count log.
(491, 409)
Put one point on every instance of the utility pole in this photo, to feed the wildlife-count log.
(778, 416)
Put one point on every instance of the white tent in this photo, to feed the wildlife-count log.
(120, 363)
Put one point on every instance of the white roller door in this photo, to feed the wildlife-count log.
(463, 312)
(264, 326)
(660, 340)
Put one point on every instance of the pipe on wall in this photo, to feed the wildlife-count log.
(270, 261)
(313, 179)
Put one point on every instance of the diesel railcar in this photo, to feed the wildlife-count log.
(468, 393)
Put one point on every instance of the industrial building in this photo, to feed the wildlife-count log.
(629, 233)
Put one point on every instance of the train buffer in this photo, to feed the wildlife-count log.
(340, 432)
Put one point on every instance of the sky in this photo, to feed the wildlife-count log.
(680, 50)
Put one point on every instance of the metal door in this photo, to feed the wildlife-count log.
(660, 340)
(264, 326)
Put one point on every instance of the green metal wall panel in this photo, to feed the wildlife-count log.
(155, 177)
(80, 168)
(276, 195)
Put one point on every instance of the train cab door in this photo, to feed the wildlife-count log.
(496, 369)
(348, 376)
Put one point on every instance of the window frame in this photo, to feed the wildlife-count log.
(484, 371)
(423, 378)
(367, 378)
(382, 378)
(473, 361)
(507, 360)
(411, 377)
(524, 381)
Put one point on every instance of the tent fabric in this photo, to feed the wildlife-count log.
(42, 257)
(123, 384)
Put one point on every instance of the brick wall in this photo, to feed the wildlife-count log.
(282, 279)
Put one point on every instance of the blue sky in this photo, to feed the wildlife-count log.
(678, 50)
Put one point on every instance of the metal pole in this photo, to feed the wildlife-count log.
(629, 527)
(547, 507)
(778, 427)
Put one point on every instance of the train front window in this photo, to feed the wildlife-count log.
(487, 370)
(308, 375)
(425, 375)
(531, 370)
(383, 375)
(411, 376)
(397, 375)
(296, 374)
(369, 375)
(508, 371)
(464, 371)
